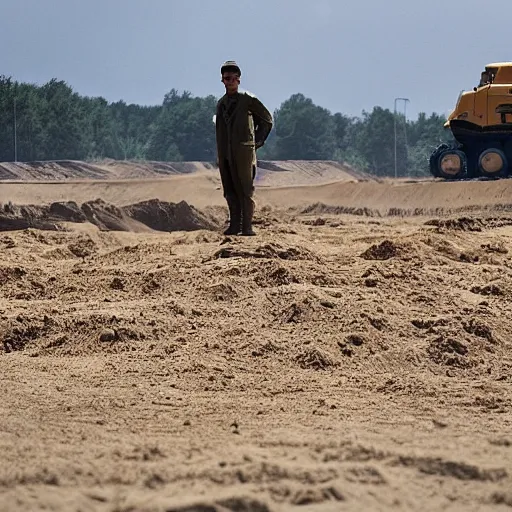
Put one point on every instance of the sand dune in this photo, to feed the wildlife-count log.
(409, 196)
(203, 189)
(59, 170)
(269, 172)
(199, 189)
(124, 183)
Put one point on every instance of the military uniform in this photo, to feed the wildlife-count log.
(242, 125)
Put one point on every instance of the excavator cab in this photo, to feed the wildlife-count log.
(485, 79)
(481, 124)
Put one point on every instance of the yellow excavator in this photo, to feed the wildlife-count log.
(481, 124)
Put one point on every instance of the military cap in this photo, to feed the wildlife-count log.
(230, 66)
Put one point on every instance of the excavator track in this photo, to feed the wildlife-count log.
(477, 153)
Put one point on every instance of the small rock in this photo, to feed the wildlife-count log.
(355, 339)
(117, 284)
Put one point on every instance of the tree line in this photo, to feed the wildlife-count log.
(52, 122)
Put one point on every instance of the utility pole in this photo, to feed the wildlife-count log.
(405, 100)
(405, 130)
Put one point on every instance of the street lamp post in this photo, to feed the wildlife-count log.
(405, 131)
(15, 132)
(405, 100)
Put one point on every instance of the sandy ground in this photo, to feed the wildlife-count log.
(333, 362)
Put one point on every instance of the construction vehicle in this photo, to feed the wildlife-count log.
(481, 125)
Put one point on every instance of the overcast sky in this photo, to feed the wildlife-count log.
(347, 56)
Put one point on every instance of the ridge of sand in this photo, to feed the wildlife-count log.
(202, 189)
(140, 217)
(269, 172)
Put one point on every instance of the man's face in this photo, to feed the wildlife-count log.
(231, 81)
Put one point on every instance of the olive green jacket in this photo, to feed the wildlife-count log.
(245, 129)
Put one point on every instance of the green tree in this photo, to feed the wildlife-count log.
(184, 128)
(97, 128)
(132, 127)
(372, 140)
(6, 118)
(62, 115)
(304, 131)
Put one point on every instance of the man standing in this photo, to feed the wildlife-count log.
(242, 125)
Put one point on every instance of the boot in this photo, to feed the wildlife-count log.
(247, 214)
(235, 217)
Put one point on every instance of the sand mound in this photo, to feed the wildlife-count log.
(321, 208)
(59, 170)
(106, 216)
(302, 172)
(164, 216)
(470, 223)
(149, 215)
(236, 504)
(268, 173)
(50, 170)
(13, 217)
(267, 251)
(385, 250)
